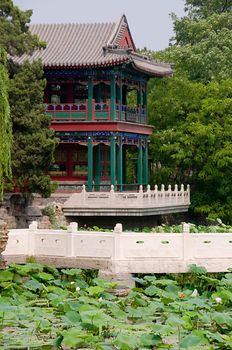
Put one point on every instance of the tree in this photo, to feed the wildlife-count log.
(203, 47)
(192, 112)
(5, 124)
(15, 36)
(34, 143)
(192, 141)
(206, 8)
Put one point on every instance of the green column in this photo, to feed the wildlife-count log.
(140, 164)
(112, 97)
(90, 98)
(112, 160)
(90, 164)
(124, 165)
(120, 165)
(120, 99)
(145, 165)
(97, 168)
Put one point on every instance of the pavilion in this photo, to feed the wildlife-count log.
(96, 97)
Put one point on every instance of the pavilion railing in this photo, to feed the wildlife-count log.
(62, 112)
(69, 112)
(132, 114)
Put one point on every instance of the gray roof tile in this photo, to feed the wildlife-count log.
(89, 45)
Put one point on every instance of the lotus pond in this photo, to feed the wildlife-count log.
(45, 308)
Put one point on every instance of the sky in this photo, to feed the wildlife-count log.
(149, 20)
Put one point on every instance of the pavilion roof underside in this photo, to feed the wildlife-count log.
(88, 46)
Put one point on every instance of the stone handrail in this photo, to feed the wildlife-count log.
(149, 198)
(126, 252)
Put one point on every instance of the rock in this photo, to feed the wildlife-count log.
(3, 241)
(44, 223)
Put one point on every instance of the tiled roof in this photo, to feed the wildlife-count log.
(89, 45)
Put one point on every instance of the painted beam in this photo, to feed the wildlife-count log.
(103, 126)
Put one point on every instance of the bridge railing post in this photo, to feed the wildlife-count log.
(72, 229)
(117, 248)
(112, 195)
(140, 196)
(156, 194)
(149, 194)
(33, 227)
(188, 194)
(187, 245)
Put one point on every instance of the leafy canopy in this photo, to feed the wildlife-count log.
(33, 144)
(206, 8)
(192, 140)
(5, 123)
(15, 36)
(192, 112)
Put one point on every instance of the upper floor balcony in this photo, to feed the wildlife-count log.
(95, 111)
(99, 98)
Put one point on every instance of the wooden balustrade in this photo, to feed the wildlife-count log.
(65, 112)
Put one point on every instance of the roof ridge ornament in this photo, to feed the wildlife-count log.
(113, 48)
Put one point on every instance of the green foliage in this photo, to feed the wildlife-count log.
(205, 8)
(5, 124)
(14, 28)
(202, 48)
(34, 144)
(131, 157)
(192, 112)
(50, 212)
(191, 143)
(132, 98)
(44, 307)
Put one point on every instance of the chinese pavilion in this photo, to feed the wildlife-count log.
(96, 96)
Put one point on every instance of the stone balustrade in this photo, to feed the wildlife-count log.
(122, 252)
(149, 202)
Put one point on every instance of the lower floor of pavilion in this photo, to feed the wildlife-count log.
(101, 159)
